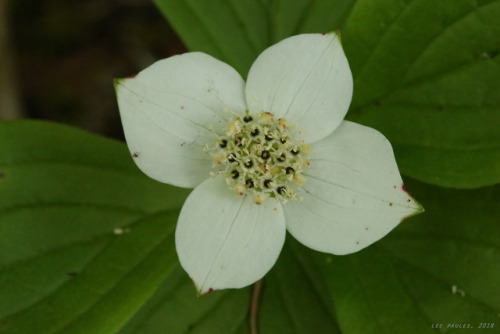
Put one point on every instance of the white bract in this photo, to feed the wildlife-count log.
(265, 156)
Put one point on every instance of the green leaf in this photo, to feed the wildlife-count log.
(427, 75)
(440, 267)
(237, 31)
(85, 238)
(292, 300)
(174, 308)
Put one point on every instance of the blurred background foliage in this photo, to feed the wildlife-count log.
(58, 58)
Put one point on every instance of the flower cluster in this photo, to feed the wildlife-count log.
(260, 156)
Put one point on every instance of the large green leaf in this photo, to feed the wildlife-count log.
(85, 238)
(236, 31)
(174, 308)
(440, 267)
(292, 300)
(427, 75)
(426, 72)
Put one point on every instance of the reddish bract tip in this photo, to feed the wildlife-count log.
(132, 76)
(406, 191)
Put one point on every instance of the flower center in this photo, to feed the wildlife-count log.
(261, 156)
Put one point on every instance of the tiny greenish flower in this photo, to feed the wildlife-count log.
(265, 156)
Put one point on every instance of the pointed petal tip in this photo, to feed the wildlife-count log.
(118, 81)
(116, 84)
(202, 292)
(418, 209)
(415, 205)
(337, 33)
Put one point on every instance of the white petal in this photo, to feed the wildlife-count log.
(225, 240)
(166, 111)
(353, 193)
(305, 79)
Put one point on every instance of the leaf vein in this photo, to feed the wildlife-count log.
(92, 239)
(444, 283)
(440, 34)
(403, 10)
(125, 274)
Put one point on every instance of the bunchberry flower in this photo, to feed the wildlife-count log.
(264, 156)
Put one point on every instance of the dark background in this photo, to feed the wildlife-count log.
(59, 57)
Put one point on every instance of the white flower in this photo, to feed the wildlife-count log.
(264, 157)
